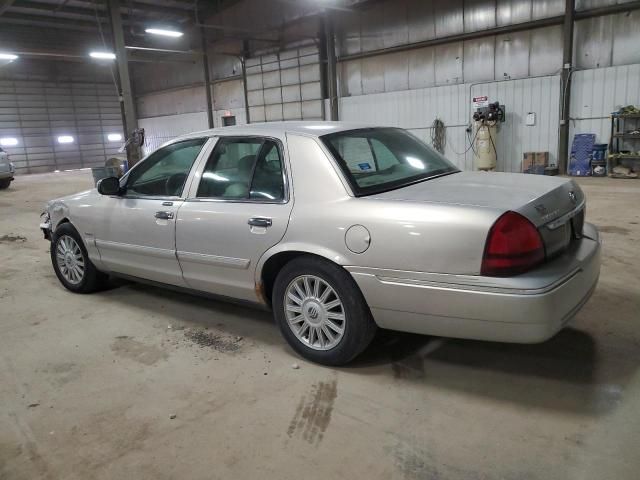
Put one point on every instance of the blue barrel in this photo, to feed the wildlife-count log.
(599, 153)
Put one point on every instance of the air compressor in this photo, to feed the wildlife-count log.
(486, 118)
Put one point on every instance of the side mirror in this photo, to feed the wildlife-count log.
(109, 186)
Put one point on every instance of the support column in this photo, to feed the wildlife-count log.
(207, 80)
(567, 68)
(245, 54)
(332, 77)
(129, 119)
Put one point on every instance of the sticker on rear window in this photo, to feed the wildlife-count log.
(364, 166)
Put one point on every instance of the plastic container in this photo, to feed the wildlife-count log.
(599, 153)
(598, 169)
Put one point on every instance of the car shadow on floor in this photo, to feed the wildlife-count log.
(183, 309)
(567, 372)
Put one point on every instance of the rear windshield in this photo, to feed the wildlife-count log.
(376, 160)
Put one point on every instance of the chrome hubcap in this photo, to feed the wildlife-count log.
(314, 312)
(70, 259)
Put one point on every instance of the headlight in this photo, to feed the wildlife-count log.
(12, 167)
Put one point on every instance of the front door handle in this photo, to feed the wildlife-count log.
(260, 222)
(164, 215)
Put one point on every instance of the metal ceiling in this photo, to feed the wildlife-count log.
(67, 29)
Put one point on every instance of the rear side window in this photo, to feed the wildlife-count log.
(243, 169)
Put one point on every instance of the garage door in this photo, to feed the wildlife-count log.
(285, 86)
(57, 126)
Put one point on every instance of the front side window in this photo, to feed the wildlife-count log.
(243, 169)
(379, 159)
(165, 171)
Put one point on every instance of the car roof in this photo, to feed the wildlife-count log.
(278, 129)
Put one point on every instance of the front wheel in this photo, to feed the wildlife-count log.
(321, 312)
(71, 262)
(4, 183)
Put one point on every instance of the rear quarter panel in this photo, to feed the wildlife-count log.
(411, 236)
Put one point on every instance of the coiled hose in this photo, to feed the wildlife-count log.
(438, 135)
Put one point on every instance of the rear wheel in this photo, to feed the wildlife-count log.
(321, 312)
(4, 183)
(71, 262)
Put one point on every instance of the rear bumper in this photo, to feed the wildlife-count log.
(529, 308)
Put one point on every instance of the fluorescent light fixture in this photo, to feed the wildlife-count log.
(165, 32)
(103, 55)
(114, 137)
(8, 56)
(8, 141)
(415, 163)
(65, 139)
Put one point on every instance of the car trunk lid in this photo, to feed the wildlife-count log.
(555, 205)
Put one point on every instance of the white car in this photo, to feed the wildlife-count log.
(7, 170)
(339, 229)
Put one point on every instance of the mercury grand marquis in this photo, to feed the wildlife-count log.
(339, 229)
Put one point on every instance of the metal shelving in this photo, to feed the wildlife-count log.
(619, 136)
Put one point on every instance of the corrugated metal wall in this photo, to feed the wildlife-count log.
(411, 88)
(36, 113)
(169, 113)
(164, 128)
(598, 92)
(416, 110)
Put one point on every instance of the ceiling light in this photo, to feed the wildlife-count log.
(8, 56)
(103, 55)
(8, 141)
(114, 137)
(165, 32)
(65, 139)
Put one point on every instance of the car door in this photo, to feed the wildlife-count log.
(238, 207)
(136, 232)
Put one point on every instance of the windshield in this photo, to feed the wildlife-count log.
(375, 160)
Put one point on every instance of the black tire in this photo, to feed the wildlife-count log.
(92, 280)
(359, 327)
(4, 183)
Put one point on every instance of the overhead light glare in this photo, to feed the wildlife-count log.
(103, 55)
(415, 163)
(8, 56)
(65, 139)
(114, 137)
(165, 32)
(8, 141)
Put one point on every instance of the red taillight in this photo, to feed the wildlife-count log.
(513, 246)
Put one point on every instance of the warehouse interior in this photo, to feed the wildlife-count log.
(140, 382)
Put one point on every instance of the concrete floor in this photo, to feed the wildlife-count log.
(88, 384)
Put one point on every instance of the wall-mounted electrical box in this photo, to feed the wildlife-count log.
(531, 119)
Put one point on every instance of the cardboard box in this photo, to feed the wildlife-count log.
(535, 162)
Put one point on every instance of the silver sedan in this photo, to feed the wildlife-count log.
(339, 229)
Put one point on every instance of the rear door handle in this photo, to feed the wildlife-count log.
(260, 222)
(164, 215)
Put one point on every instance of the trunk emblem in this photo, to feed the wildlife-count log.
(573, 197)
(541, 209)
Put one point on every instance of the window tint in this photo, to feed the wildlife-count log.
(380, 159)
(268, 183)
(166, 170)
(243, 168)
